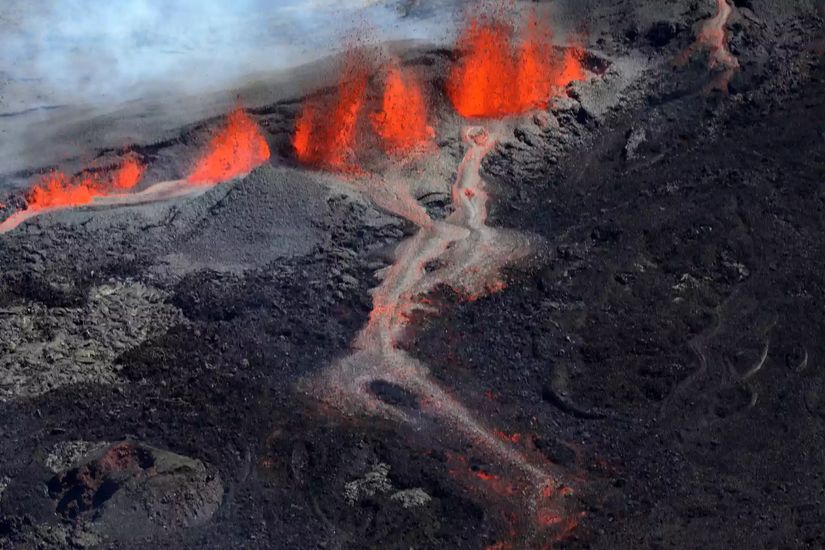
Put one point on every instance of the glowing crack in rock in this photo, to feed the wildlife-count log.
(713, 38)
(469, 257)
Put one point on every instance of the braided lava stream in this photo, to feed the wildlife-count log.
(469, 256)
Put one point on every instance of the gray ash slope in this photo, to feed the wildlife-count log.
(669, 346)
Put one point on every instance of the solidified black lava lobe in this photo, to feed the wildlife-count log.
(393, 394)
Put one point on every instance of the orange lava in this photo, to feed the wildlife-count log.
(486, 476)
(402, 121)
(128, 175)
(326, 129)
(236, 150)
(56, 189)
(713, 38)
(571, 69)
(505, 72)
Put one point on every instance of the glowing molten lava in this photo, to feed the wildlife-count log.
(128, 175)
(236, 150)
(326, 129)
(463, 253)
(504, 72)
(56, 190)
(402, 121)
(713, 38)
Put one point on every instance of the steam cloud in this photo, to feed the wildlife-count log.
(97, 51)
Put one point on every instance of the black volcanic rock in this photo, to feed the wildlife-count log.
(661, 352)
(130, 491)
(661, 33)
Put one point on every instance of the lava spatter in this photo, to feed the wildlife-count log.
(470, 256)
(713, 39)
(128, 175)
(237, 149)
(402, 121)
(58, 191)
(325, 131)
(506, 71)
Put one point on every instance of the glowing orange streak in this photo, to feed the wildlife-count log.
(713, 38)
(160, 191)
(472, 255)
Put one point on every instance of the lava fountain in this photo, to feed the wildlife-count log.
(237, 149)
(326, 128)
(502, 74)
(713, 38)
(505, 71)
(57, 191)
(402, 121)
(470, 256)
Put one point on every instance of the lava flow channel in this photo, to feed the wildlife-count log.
(713, 38)
(471, 256)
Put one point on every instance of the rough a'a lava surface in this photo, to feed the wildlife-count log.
(664, 348)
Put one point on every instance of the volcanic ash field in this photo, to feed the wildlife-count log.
(558, 285)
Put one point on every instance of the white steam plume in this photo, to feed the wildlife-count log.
(100, 51)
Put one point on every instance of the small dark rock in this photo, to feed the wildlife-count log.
(661, 33)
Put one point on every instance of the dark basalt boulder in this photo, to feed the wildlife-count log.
(129, 490)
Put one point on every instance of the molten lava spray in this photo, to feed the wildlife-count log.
(325, 131)
(128, 175)
(56, 190)
(505, 72)
(470, 257)
(236, 150)
(402, 121)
